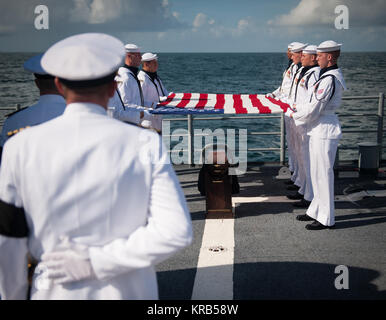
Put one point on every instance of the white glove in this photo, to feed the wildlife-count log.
(147, 119)
(270, 95)
(288, 112)
(70, 264)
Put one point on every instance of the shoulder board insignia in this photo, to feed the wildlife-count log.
(13, 132)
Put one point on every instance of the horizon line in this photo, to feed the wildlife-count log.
(210, 51)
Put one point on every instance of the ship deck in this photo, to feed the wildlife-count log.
(267, 254)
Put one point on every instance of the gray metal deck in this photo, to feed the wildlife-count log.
(275, 257)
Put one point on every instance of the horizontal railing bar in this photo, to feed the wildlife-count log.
(263, 149)
(236, 134)
(359, 131)
(356, 114)
(359, 97)
(263, 133)
(223, 118)
(268, 117)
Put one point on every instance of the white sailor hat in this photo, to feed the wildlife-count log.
(148, 56)
(311, 49)
(131, 47)
(298, 47)
(33, 65)
(84, 60)
(329, 46)
(291, 44)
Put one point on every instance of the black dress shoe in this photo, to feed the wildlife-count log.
(304, 217)
(293, 187)
(296, 196)
(316, 225)
(302, 204)
(288, 182)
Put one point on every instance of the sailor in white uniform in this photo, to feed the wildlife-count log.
(50, 105)
(296, 50)
(301, 93)
(324, 130)
(127, 104)
(93, 200)
(284, 88)
(152, 87)
(282, 93)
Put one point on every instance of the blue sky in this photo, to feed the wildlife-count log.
(197, 26)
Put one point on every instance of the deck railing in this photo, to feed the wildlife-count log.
(282, 149)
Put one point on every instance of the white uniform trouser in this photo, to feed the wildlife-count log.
(300, 132)
(287, 122)
(322, 157)
(305, 150)
(293, 150)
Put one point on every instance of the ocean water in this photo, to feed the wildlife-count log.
(242, 73)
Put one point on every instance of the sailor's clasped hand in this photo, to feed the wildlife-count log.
(69, 263)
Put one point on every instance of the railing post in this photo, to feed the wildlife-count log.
(282, 139)
(380, 124)
(190, 140)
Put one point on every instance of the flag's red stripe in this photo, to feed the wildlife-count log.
(257, 104)
(168, 100)
(282, 105)
(238, 104)
(184, 101)
(220, 101)
(203, 100)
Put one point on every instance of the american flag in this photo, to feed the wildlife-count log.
(199, 103)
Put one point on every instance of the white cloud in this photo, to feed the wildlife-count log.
(204, 24)
(200, 20)
(322, 12)
(91, 15)
(243, 26)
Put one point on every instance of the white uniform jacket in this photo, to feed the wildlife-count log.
(152, 90)
(303, 88)
(126, 104)
(48, 107)
(80, 176)
(117, 110)
(319, 112)
(283, 91)
(128, 87)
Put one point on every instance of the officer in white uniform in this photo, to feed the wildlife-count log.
(92, 199)
(152, 87)
(50, 105)
(324, 130)
(128, 103)
(301, 93)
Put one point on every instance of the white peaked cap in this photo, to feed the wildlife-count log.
(329, 46)
(131, 47)
(83, 57)
(311, 49)
(291, 44)
(33, 64)
(298, 46)
(148, 56)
